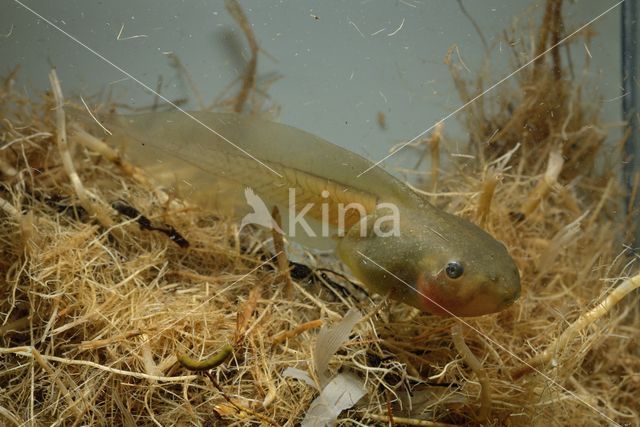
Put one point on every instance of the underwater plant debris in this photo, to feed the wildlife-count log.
(94, 309)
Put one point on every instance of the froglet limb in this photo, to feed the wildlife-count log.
(428, 258)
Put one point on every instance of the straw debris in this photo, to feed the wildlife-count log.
(94, 308)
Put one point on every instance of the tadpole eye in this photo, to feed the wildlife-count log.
(454, 269)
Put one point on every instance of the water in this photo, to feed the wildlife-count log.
(341, 63)
(365, 75)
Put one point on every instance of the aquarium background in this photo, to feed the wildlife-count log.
(98, 303)
(341, 63)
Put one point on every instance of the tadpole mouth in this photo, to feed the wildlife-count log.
(511, 296)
